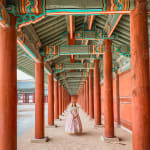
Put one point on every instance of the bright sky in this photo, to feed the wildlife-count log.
(23, 76)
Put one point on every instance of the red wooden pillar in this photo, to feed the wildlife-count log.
(74, 98)
(56, 101)
(91, 99)
(83, 97)
(108, 91)
(39, 100)
(79, 98)
(140, 76)
(33, 97)
(87, 95)
(27, 98)
(117, 98)
(81, 93)
(8, 86)
(50, 99)
(44, 99)
(67, 98)
(23, 97)
(60, 99)
(97, 102)
(64, 99)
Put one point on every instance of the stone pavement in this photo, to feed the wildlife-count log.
(89, 140)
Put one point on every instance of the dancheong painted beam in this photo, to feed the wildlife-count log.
(32, 11)
(52, 51)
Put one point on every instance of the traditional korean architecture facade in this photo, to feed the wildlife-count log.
(26, 91)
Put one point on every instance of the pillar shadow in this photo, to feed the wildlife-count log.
(81, 134)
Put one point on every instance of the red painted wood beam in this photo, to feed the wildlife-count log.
(89, 13)
(115, 25)
(71, 26)
(72, 59)
(90, 26)
(86, 42)
(91, 22)
(71, 37)
(27, 51)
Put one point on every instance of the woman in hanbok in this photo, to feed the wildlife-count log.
(73, 122)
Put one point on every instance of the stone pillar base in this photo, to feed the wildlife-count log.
(42, 140)
(98, 126)
(51, 126)
(110, 140)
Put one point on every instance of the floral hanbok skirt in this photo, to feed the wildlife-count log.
(73, 125)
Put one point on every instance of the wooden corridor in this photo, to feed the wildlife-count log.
(77, 48)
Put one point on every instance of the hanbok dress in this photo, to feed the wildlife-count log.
(73, 122)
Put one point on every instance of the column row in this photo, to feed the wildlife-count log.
(58, 99)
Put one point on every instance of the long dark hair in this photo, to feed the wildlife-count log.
(73, 104)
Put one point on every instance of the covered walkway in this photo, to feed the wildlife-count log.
(94, 52)
(89, 140)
